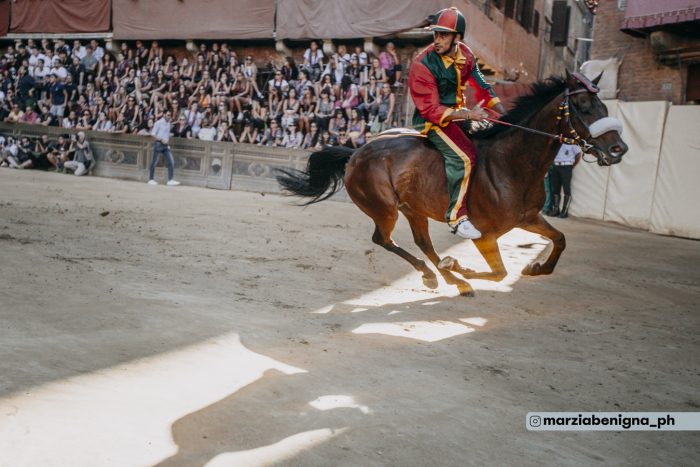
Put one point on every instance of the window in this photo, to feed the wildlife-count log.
(536, 23)
(524, 14)
(560, 23)
(509, 8)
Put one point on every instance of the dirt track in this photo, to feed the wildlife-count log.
(149, 325)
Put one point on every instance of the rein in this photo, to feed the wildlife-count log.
(563, 114)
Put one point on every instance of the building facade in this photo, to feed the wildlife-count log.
(658, 45)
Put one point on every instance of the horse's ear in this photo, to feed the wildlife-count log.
(596, 80)
(570, 80)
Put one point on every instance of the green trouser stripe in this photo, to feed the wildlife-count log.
(454, 170)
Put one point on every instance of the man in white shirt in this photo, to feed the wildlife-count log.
(161, 132)
(567, 157)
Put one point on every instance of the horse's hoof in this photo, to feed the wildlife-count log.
(532, 269)
(465, 290)
(447, 262)
(430, 282)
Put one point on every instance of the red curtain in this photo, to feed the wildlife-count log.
(60, 16)
(4, 17)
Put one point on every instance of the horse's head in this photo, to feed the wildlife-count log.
(589, 118)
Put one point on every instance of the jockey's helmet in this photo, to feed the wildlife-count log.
(449, 20)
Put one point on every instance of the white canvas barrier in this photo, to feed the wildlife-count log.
(631, 183)
(677, 194)
(656, 186)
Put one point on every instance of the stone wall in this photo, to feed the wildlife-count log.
(223, 166)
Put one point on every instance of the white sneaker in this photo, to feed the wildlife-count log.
(173, 183)
(152, 182)
(466, 229)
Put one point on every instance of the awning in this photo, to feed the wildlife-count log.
(644, 14)
(59, 16)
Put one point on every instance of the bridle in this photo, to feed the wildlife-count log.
(567, 133)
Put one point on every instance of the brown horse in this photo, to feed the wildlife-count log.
(407, 174)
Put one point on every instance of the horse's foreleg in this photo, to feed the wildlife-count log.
(542, 227)
(421, 235)
(488, 247)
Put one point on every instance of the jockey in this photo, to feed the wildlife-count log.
(437, 80)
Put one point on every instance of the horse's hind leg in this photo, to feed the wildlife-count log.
(382, 236)
(421, 235)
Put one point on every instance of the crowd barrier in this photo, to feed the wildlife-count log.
(211, 164)
(656, 185)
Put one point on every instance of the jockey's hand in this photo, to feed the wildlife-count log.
(477, 113)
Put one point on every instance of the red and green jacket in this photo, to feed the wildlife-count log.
(437, 84)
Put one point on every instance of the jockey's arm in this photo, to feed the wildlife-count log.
(483, 90)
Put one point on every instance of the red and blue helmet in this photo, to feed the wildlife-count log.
(449, 20)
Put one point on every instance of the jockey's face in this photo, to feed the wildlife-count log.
(443, 41)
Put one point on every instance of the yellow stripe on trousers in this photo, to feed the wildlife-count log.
(467, 172)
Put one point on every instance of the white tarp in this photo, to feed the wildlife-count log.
(677, 193)
(589, 183)
(631, 183)
(657, 185)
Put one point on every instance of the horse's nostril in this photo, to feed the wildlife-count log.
(617, 150)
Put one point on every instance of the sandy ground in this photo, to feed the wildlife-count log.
(181, 326)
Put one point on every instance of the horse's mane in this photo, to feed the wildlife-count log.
(526, 106)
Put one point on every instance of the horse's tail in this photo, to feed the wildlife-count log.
(322, 178)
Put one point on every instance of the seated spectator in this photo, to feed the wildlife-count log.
(356, 129)
(22, 159)
(181, 129)
(385, 109)
(391, 64)
(29, 116)
(40, 153)
(292, 137)
(70, 121)
(8, 153)
(207, 132)
(312, 139)
(60, 152)
(290, 109)
(102, 123)
(83, 160)
(272, 135)
(349, 94)
(336, 123)
(377, 71)
(250, 133)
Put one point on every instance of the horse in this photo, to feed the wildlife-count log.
(406, 174)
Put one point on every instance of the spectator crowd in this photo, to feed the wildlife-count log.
(213, 94)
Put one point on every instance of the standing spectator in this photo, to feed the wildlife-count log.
(90, 63)
(568, 156)
(391, 64)
(313, 61)
(83, 160)
(161, 132)
(59, 96)
(97, 51)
